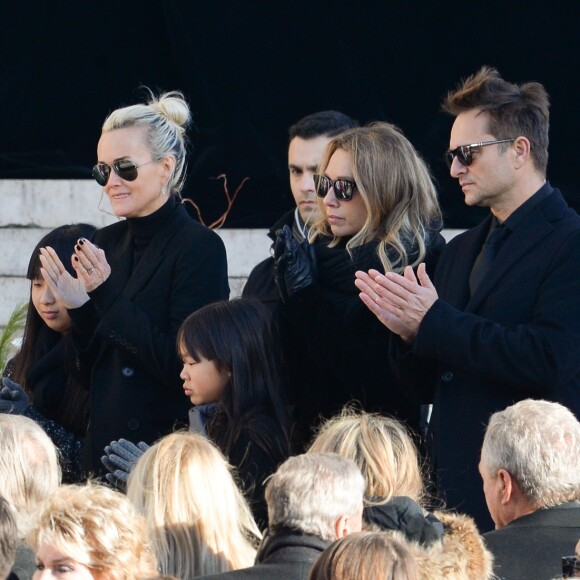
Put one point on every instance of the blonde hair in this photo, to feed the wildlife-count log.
(396, 188)
(198, 520)
(164, 119)
(99, 528)
(29, 469)
(366, 555)
(383, 450)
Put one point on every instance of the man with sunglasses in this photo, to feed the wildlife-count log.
(501, 322)
(308, 140)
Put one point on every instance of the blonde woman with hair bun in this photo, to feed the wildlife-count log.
(198, 520)
(137, 280)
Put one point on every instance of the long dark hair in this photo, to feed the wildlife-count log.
(239, 336)
(62, 240)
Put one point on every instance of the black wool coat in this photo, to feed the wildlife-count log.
(532, 546)
(284, 556)
(517, 337)
(125, 336)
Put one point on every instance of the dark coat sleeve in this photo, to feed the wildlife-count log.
(533, 341)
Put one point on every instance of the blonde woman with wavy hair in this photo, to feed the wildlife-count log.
(379, 211)
(383, 449)
(395, 187)
(444, 544)
(91, 531)
(198, 521)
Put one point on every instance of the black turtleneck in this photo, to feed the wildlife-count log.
(142, 229)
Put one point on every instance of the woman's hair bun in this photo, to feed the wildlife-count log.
(173, 107)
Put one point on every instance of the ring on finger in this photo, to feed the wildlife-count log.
(90, 270)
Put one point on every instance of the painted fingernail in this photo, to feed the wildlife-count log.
(77, 247)
(81, 241)
(75, 258)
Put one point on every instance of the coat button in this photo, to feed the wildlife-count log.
(447, 377)
(128, 372)
(133, 424)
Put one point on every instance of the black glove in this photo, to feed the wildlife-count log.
(120, 459)
(294, 263)
(13, 399)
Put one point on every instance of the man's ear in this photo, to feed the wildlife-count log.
(522, 149)
(506, 486)
(342, 527)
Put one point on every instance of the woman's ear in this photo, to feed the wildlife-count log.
(168, 163)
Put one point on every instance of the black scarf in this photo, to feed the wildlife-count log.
(336, 269)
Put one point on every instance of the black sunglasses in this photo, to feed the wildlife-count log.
(124, 168)
(465, 152)
(343, 188)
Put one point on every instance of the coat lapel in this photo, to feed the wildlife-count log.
(155, 252)
(534, 228)
(455, 280)
(121, 260)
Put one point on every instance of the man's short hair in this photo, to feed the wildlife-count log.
(538, 443)
(514, 110)
(321, 124)
(310, 492)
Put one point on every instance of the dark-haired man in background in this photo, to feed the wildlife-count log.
(308, 140)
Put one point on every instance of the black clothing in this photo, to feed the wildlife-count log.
(254, 461)
(286, 555)
(406, 516)
(334, 347)
(516, 338)
(260, 283)
(532, 546)
(163, 267)
(59, 404)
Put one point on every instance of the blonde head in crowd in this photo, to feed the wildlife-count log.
(165, 120)
(383, 450)
(198, 521)
(98, 528)
(365, 556)
(396, 187)
(29, 468)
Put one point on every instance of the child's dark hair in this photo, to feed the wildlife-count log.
(62, 240)
(239, 337)
(73, 411)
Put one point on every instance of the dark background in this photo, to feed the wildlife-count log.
(251, 68)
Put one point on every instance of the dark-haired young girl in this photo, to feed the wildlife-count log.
(231, 373)
(56, 399)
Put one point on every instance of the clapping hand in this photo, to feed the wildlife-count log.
(121, 456)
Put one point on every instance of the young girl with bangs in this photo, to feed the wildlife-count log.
(231, 374)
